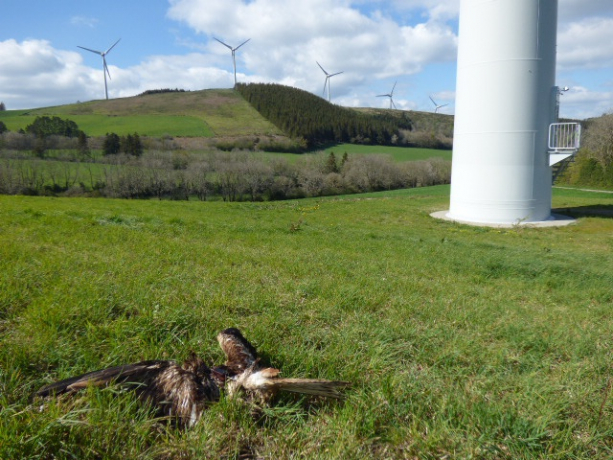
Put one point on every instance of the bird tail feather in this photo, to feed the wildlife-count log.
(316, 387)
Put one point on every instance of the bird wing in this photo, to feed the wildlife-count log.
(181, 393)
(137, 373)
(240, 354)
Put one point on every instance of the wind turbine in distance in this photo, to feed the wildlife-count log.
(105, 68)
(391, 96)
(327, 81)
(233, 53)
(437, 106)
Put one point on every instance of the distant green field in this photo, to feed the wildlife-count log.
(145, 125)
(397, 153)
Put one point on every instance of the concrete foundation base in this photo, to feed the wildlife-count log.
(557, 220)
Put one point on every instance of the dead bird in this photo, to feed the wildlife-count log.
(182, 392)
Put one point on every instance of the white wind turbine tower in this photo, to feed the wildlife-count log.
(391, 96)
(327, 80)
(233, 53)
(437, 106)
(105, 68)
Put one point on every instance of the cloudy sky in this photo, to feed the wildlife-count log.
(169, 44)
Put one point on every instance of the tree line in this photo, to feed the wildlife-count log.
(303, 115)
(229, 176)
(593, 164)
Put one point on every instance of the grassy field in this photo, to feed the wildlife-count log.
(397, 153)
(215, 112)
(461, 342)
(145, 125)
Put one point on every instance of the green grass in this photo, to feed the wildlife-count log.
(397, 153)
(461, 341)
(145, 125)
(215, 112)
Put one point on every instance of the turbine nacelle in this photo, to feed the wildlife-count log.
(233, 50)
(327, 80)
(105, 67)
(437, 106)
(391, 96)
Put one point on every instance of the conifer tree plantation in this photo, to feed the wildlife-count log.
(303, 115)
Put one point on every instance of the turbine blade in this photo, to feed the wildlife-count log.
(108, 51)
(241, 44)
(106, 68)
(87, 49)
(337, 73)
(322, 69)
(325, 83)
(224, 44)
(393, 88)
(392, 101)
(432, 100)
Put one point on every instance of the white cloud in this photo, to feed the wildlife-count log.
(580, 103)
(288, 36)
(586, 44)
(375, 42)
(577, 10)
(190, 72)
(433, 9)
(35, 72)
(83, 21)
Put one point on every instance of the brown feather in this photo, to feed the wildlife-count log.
(179, 392)
(316, 387)
(183, 392)
(261, 385)
(240, 354)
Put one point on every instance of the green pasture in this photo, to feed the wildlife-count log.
(397, 153)
(144, 125)
(207, 113)
(460, 341)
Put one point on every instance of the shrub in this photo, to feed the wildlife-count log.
(112, 144)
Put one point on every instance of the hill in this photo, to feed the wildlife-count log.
(302, 115)
(428, 129)
(254, 111)
(207, 113)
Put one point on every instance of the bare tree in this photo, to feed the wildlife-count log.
(198, 177)
(257, 177)
(599, 140)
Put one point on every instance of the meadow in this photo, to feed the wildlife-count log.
(204, 113)
(144, 125)
(460, 341)
(399, 154)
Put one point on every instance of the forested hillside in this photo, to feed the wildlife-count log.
(301, 114)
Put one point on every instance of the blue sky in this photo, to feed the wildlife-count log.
(169, 44)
